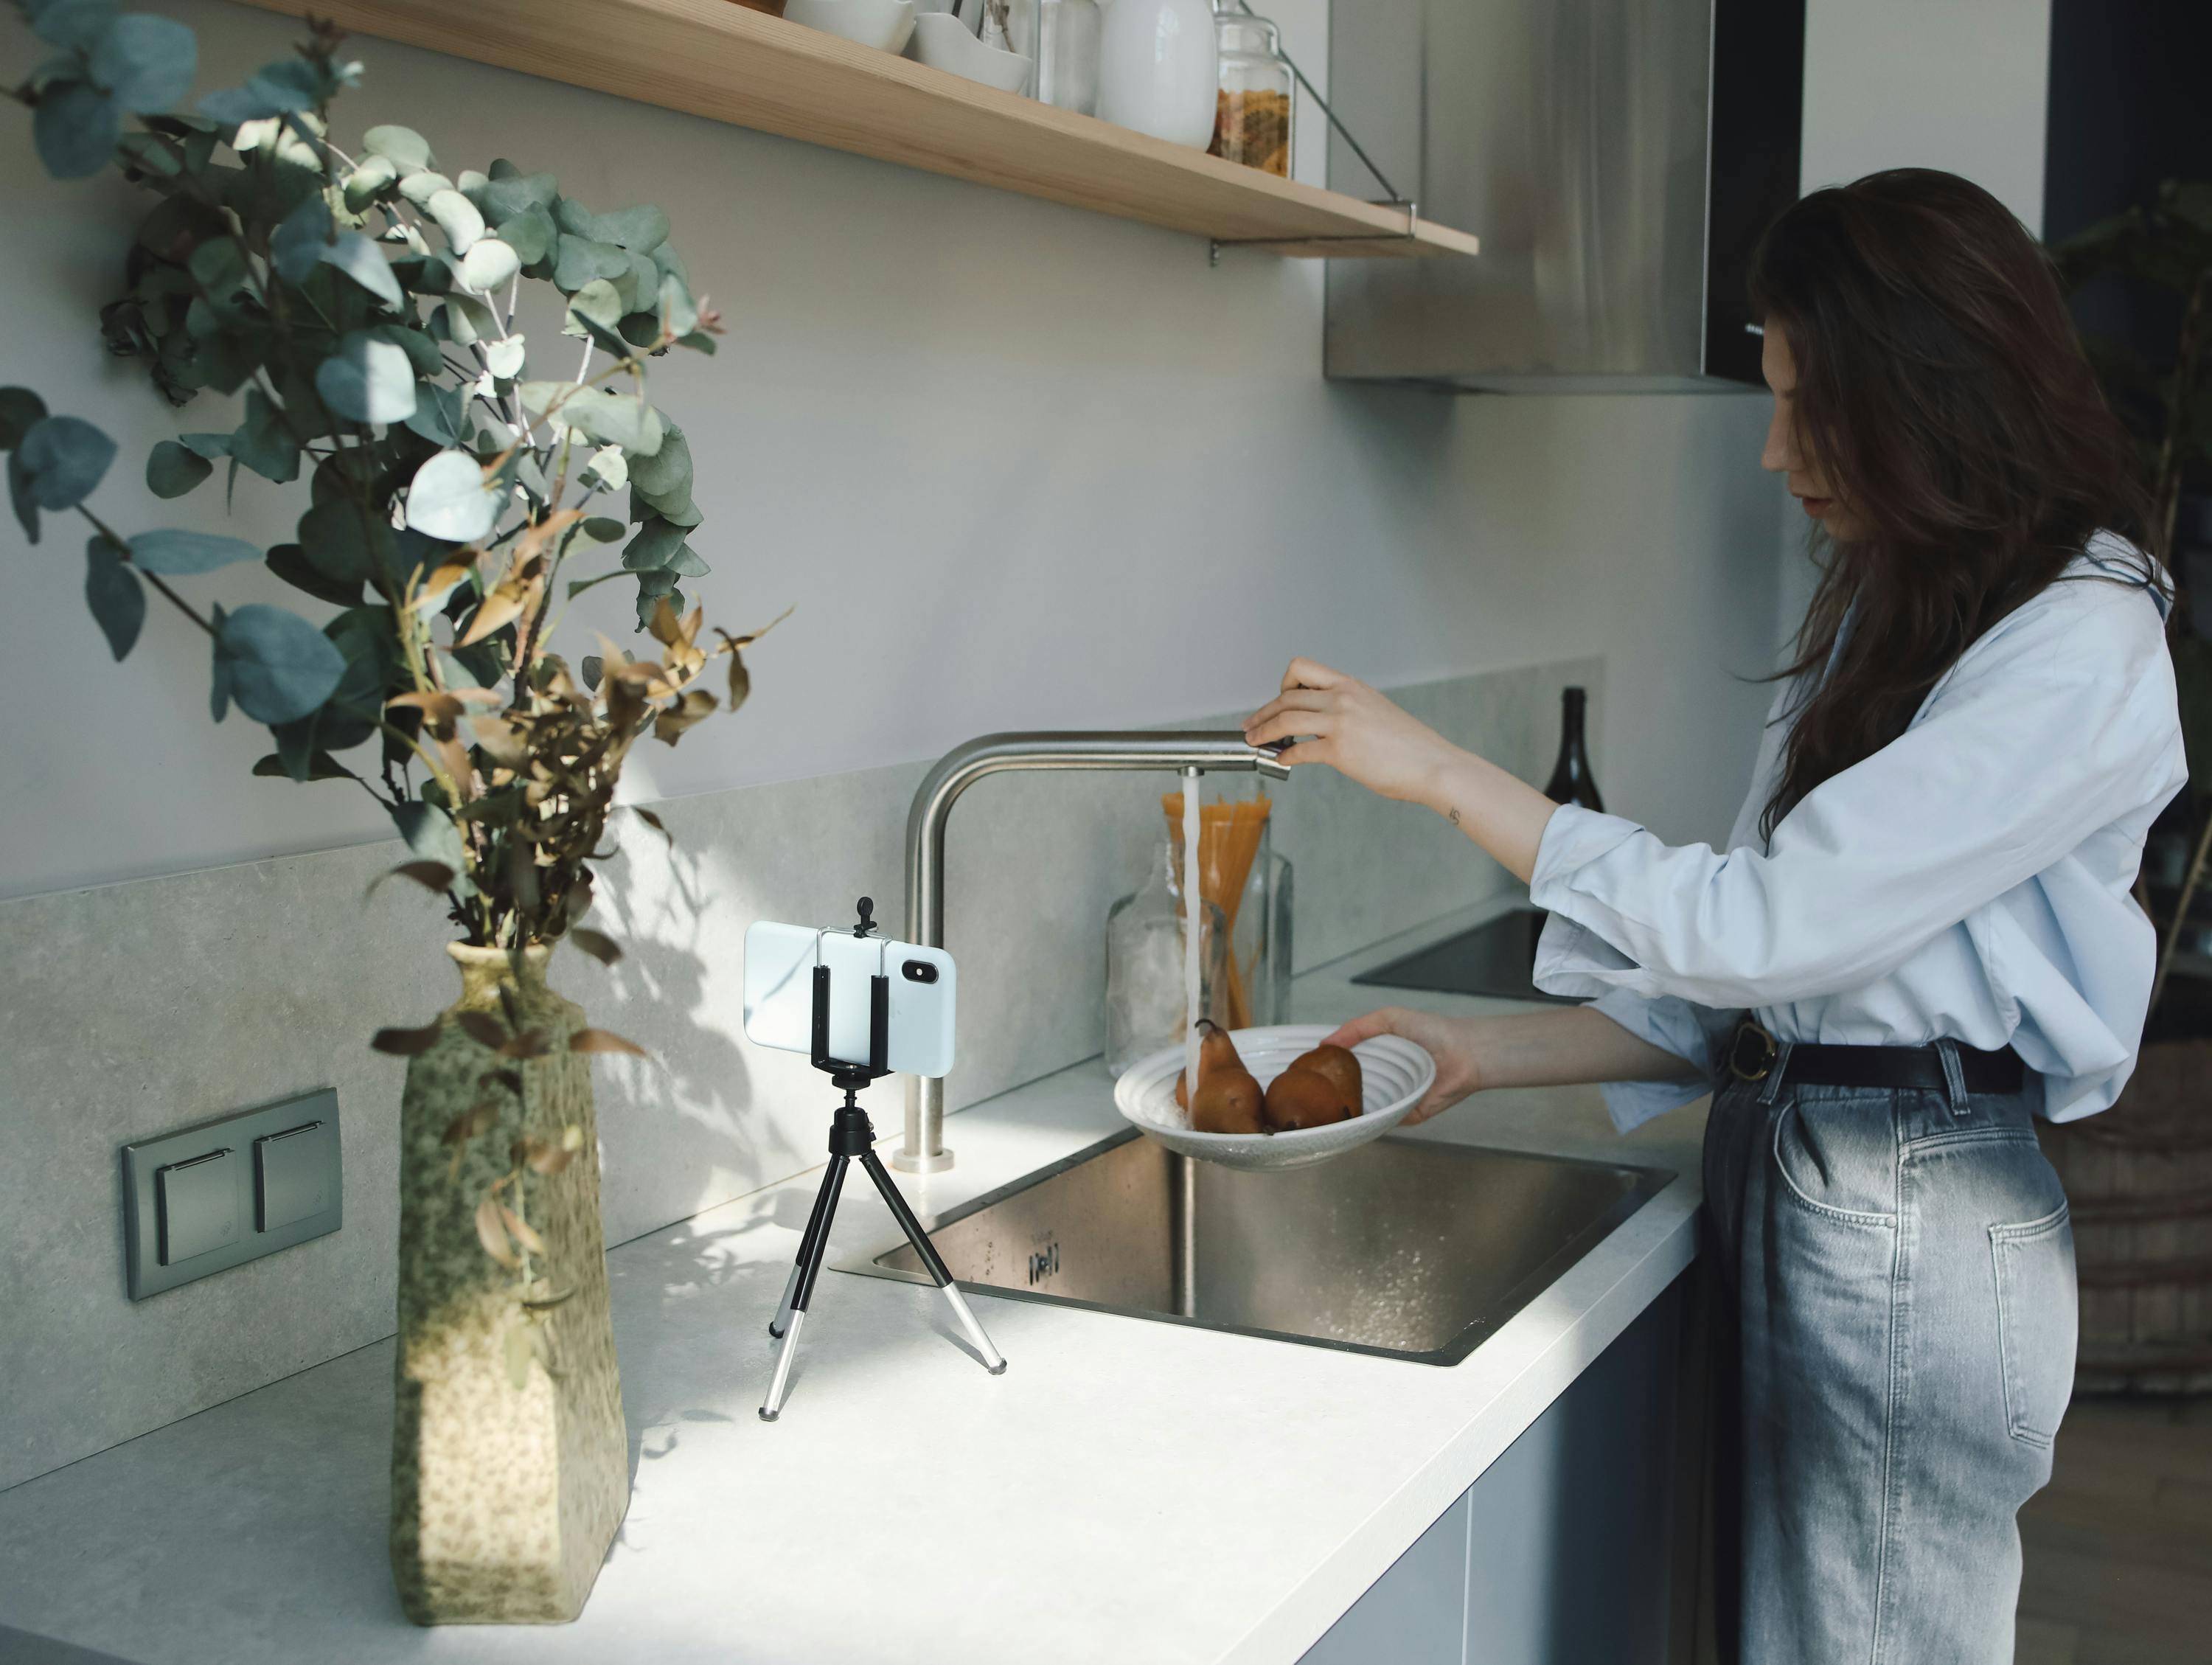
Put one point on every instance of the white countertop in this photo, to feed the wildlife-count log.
(1098, 1502)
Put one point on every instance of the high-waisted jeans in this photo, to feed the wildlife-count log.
(1901, 1315)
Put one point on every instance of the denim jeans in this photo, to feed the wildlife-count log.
(1901, 1316)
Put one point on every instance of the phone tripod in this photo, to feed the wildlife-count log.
(852, 1138)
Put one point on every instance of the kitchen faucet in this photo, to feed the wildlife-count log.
(1189, 753)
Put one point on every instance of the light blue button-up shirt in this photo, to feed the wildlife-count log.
(1970, 879)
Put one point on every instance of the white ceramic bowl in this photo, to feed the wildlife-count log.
(1394, 1074)
(942, 41)
(885, 24)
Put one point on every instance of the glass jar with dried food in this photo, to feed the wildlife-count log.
(1252, 121)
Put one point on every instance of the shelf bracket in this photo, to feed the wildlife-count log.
(1215, 244)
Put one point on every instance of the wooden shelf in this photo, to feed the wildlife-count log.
(721, 60)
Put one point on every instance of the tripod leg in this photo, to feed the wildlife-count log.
(824, 1201)
(938, 1272)
(809, 1267)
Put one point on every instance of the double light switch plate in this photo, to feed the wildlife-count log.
(230, 1190)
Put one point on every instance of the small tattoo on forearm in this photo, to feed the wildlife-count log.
(1454, 815)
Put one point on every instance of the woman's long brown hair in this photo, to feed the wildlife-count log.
(1942, 389)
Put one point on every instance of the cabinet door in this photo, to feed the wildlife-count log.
(1571, 1534)
(1413, 1614)
(1565, 1552)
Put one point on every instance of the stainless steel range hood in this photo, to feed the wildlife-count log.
(1618, 158)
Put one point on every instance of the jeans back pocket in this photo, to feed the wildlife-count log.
(2037, 1323)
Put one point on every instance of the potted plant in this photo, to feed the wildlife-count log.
(2140, 1176)
(364, 306)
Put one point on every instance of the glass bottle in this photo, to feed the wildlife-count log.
(1067, 66)
(1571, 781)
(1146, 1009)
(1253, 109)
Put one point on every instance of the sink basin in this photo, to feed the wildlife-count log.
(1409, 1247)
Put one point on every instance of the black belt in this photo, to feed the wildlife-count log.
(1753, 1055)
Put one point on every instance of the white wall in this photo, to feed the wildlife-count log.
(1962, 85)
(1015, 464)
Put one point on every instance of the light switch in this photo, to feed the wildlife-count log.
(201, 1200)
(198, 1206)
(293, 1172)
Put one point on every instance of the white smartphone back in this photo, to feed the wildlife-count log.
(780, 962)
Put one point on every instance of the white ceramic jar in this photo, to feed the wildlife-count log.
(1158, 69)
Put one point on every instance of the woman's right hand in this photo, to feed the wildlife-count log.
(1450, 1041)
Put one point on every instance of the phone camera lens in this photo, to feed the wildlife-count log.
(920, 971)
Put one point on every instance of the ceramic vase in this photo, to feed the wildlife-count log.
(1159, 69)
(510, 1468)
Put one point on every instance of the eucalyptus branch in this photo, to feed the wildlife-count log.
(121, 545)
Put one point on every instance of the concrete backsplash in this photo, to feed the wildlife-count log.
(131, 1009)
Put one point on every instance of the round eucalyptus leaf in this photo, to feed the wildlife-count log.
(62, 459)
(529, 233)
(457, 217)
(506, 196)
(146, 62)
(275, 664)
(344, 545)
(450, 499)
(171, 470)
(664, 479)
(418, 188)
(402, 145)
(603, 529)
(363, 261)
(75, 128)
(71, 24)
(117, 600)
(367, 379)
(174, 552)
(640, 229)
(505, 357)
(19, 411)
(369, 182)
(580, 260)
(296, 246)
(488, 264)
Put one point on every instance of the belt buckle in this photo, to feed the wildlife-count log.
(1772, 1050)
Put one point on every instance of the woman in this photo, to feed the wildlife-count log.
(1919, 936)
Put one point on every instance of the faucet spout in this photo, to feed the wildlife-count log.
(922, 1151)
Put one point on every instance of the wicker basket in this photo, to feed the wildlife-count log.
(2139, 1178)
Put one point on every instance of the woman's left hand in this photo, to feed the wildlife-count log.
(1354, 730)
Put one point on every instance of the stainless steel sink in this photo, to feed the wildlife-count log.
(1408, 1248)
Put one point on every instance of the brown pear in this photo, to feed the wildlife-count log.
(1341, 1064)
(1229, 1101)
(1302, 1097)
(1215, 1051)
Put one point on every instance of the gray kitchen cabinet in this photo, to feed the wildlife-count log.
(1570, 1547)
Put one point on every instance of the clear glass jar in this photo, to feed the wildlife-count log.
(1254, 110)
(1146, 1009)
(1065, 74)
(1261, 938)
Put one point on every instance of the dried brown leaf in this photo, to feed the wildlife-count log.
(528, 1044)
(664, 626)
(741, 680)
(520, 1229)
(547, 1302)
(495, 612)
(545, 1158)
(601, 1040)
(482, 1028)
(493, 1235)
(405, 1043)
(693, 709)
(655, 822)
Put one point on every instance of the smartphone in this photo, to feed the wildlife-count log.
(780, 962)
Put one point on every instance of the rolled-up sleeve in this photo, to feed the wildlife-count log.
(2020, 755)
